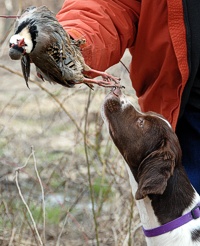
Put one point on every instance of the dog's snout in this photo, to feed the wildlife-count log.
(117, 91)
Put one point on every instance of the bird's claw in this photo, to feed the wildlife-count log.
(115, 85)
(107, 81)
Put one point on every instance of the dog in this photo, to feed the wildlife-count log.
(168, 205)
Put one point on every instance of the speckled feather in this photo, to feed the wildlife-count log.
(56, 56)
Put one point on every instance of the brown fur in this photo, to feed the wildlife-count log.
(151, 149)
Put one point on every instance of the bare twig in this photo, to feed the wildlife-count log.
(12, 237)
(23, 200)
(124, 66)
(62, 230)
(78, 225)
(88, 169)
(9, 16)
(68, 215)
(42, 190)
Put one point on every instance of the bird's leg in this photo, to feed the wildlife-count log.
(107, 81)
(104, 83)
(104, 75)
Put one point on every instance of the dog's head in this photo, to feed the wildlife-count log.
(145, 140)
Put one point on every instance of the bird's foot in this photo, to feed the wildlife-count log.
(107, 81)
(102, 82)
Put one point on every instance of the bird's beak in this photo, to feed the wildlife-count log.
(21, 43)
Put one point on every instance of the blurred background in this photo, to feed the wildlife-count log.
(70, 175)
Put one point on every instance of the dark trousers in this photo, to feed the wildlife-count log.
(188, 132)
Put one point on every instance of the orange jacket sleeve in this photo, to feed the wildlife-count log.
(109, 27)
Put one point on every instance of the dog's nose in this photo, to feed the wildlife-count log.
(116, 91)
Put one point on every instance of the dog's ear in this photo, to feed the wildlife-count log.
(154, 171)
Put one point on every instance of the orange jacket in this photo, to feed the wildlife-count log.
(154, 31)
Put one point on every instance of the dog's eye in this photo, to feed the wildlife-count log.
(140, 122)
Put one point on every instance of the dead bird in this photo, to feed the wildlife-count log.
(40, 39)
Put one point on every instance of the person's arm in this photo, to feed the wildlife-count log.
(109, 27)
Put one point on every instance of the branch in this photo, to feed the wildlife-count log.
(42, 190)
(23, 200)
(88, 169)
(10, 16)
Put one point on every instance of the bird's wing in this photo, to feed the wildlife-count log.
(51, 71)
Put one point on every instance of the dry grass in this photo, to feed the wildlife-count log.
(87, 194)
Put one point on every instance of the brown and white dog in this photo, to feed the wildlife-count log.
(159, 183)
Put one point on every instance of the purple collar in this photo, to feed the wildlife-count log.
(193, 214)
